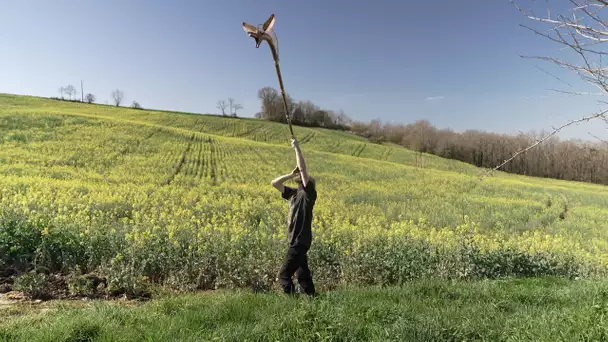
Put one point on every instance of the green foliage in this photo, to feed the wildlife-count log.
(18, 244)
(123, 278)
(33, 285)
(79, 285)
(27, 244)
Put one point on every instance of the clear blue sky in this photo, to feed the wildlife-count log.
(454, 63)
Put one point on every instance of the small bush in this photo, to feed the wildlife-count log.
(79, 285)
(124, 278)
(27, 243)
(33, 285)
(19, 240)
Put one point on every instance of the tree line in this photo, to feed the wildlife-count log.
(232, 106)
(302, 113)
(575, 160)
(117, 96)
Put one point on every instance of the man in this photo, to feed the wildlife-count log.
(299, 224)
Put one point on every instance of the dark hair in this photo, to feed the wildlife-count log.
(311, 182)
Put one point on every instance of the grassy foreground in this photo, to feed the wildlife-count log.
(514, 310)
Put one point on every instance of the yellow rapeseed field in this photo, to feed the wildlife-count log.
(150, 197)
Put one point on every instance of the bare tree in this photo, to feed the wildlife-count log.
(342, 118)
(375, 130)
(297, 116)
(221, 105)
(582, 34)
(300, 112)
(230, 104)
(117, 96)
(89, 98)
(233, 106)
(270, 98)
(70, 90)
(61, 91)
(237, 106)
(308, 111)
(136, 105)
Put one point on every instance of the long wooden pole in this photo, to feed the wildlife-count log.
(276, 65)
(260, 36)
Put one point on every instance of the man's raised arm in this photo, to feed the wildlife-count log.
(300, 161)
(278, 182)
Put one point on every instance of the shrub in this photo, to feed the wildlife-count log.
(33, 285)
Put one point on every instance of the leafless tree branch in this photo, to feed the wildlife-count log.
(600, 139)
(562, 41)
(578, 34)
(221, 105)
(573, 24)
(574, 93)
(586, 28)
(550, 74)
(601, 114)
(118, 95)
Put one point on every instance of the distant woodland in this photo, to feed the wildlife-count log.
(554, 158)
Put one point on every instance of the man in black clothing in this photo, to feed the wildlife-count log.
(299, 225)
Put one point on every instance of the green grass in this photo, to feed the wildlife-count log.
(511, 310)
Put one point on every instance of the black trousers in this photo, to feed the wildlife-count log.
(296, 262)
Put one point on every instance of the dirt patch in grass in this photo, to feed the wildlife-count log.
(5, 302)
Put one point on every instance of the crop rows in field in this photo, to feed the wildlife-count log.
(257, 130)
(211, 161)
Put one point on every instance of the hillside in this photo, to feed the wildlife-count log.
(242, 128)
(148, 197)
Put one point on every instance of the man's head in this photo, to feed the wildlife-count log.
(298, 179)
(297, 176)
